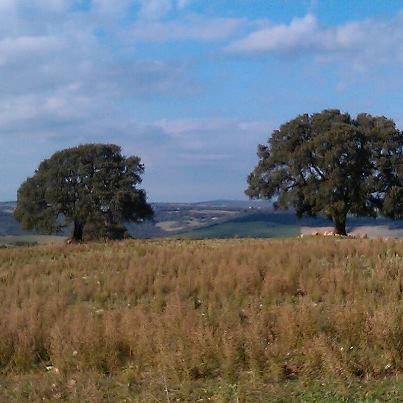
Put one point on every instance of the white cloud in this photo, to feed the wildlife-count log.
(61, 84)
(361, 43)
(183, 3)
(202, 154)
(211, 135)
(183, 126)
(192, 28)
(53, 6)
(109, 7)
(154, 9)
(69, 76)
(299, 33)
(20, 49)
(7, 6)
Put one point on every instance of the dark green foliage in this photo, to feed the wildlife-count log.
(329, 163)
(91, 186)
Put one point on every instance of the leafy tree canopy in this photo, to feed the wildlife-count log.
(92, 186)
(329, 163)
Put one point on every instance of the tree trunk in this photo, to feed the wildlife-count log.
(77, 232)
(340, 225)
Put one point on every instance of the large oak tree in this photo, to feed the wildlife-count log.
(92, 187)
(329, 163)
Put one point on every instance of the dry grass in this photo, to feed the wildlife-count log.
(231, 320)
(31, 240)
(369, 231)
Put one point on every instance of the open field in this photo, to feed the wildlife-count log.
(224, 321)
(247, 229)
(26, 240)
(370, 231)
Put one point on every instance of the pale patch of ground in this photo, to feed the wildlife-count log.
(379, 231)
(170, 225)
(214, 212)
(371, 231)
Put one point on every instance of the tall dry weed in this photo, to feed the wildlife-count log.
(185, 311)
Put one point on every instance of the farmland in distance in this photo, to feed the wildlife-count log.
(214, 219)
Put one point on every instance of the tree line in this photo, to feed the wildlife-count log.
(326, 163)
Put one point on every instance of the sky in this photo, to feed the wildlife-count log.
(190, 86)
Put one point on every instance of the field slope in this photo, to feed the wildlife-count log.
(222, 321)
(257, 225)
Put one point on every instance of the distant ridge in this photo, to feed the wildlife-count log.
(221, 218)
(235, 203)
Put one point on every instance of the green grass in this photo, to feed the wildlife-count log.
(250, 229)
(122, 388)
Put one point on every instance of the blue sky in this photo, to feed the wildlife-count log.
(191, 86)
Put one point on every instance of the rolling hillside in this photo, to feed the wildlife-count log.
(252, 225)
(214, 219)
(221, 218)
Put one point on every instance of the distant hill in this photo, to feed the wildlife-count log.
(213, 219)
(267, 224)
(240, 218)
(8, 225)
(238, 204)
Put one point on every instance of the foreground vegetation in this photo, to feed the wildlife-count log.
(238, 320)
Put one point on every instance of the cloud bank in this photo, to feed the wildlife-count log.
(366, 42)
(163, 79)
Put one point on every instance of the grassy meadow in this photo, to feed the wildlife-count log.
(215, 320)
